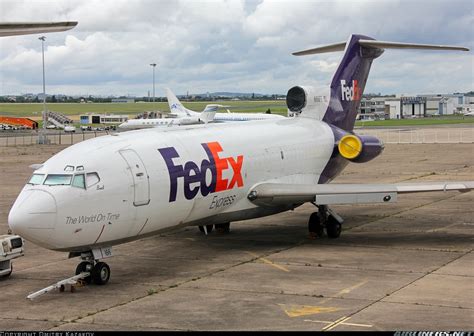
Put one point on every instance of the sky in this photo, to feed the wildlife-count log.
(227, 45)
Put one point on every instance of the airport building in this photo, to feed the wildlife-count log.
(102, 118)
(372, 108)
(402, 107)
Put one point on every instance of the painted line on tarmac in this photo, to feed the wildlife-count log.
(345, 291)
(343, 323)
(335, 323)
(269, 262)
(298, 311)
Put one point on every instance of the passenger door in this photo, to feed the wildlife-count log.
(140, 177)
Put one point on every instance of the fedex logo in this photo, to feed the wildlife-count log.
(194, 176)
(350, 93)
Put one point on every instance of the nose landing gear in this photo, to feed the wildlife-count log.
(90, 270)
(99, 272)
(327, 219)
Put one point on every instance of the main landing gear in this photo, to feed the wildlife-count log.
(99, 272)
(324, 219)
(220, 228)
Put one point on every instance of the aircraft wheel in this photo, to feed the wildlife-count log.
(84, 266)
(314, 225)
(333, 227)
(208, 227)
(223, 228)
(101, 273)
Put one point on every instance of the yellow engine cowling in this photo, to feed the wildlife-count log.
(350, 146)
(361, 148)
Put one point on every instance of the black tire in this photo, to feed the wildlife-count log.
(208, 227)
(223, 228)
(101, 273)
(314, 225)
(333, 227)
(9, 273)
(85, 266)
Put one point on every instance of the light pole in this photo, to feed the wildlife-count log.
(154, 66)
(42, 138)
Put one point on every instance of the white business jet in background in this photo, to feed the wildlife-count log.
(204, 117)
(184, 116)
(179, 110)
(118, 188)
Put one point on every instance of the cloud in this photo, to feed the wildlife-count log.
(246, 46)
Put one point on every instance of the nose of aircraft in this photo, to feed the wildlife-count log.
(33, 215)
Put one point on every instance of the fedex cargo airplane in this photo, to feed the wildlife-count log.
(186, 116)
(118, 188)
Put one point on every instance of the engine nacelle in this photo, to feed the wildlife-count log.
(190, 121)
(359, 148)
(301, 98)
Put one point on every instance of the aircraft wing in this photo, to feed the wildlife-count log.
(24, 28)
(273, 194)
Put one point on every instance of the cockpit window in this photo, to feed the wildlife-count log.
(36, 179)
(69, 168)
(91, 179)
(79, 181)
(58, 179)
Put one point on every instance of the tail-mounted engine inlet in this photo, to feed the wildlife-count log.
(359, 148)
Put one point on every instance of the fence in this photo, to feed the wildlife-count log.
(16, 138)
(422, 136)
(388, 136)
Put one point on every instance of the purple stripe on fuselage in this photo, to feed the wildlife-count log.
(336, 163)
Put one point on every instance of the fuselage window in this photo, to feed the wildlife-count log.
(79, 181)
(36, 179)
(58, 179)
(92, 179)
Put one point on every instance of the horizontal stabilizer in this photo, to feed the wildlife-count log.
(322, 49)
(24, 28)
(377, 44)
(401, 45)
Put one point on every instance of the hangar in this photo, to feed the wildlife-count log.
(103, 118)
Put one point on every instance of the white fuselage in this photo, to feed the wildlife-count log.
(134, 196)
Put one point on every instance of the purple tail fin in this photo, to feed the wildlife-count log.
(349, 82)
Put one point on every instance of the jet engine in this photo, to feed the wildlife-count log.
(359, 148)
(190, 121)
(301, 98)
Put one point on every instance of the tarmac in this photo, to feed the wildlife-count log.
(402, 266)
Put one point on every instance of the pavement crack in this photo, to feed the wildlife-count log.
(177, 285)
(405, 286)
